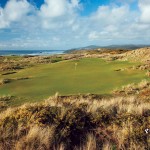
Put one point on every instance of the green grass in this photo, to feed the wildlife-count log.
(92, 75)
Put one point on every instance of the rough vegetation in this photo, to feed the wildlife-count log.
(142, 54)
(69, 123)
(4, 102)
(133, 88)
(79, 122)
(120, 121)
(11, 63)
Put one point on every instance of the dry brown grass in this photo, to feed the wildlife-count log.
(36, 138)
(133, 89)
(141, 55)
(90, 143)
(80, 122)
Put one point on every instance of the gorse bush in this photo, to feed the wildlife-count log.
(76, 123)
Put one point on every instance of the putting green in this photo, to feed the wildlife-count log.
(88, 75)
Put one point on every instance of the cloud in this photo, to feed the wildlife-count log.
(110, 22)
(57, 24)
(57, 8)
(144, 6)
(108, 15)
(14, 11)
(57, 14)
(53, 8)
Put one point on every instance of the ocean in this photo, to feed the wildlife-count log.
(30, 52)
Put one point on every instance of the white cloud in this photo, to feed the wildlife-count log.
(3, 22)
(108, 15)
(57, 14)
(58, 25)
(144, 6)
(110, 22)
(57, 8)
(13, 11)
(53, 8)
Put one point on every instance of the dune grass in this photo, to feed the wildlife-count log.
(87, 75)
(59, 123)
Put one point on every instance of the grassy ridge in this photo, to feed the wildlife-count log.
(90, 75)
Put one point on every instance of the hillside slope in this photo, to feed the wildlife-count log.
(142, 55)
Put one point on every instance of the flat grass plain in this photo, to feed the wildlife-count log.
(71, 77)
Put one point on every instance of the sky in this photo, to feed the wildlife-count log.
(65, 24)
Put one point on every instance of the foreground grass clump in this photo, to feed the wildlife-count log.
(4, 100)
(77, 123)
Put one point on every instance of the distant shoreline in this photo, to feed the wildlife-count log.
(30, 52)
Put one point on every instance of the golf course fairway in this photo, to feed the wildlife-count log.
(87, 75)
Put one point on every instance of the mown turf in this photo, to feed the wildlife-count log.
(92, 75)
